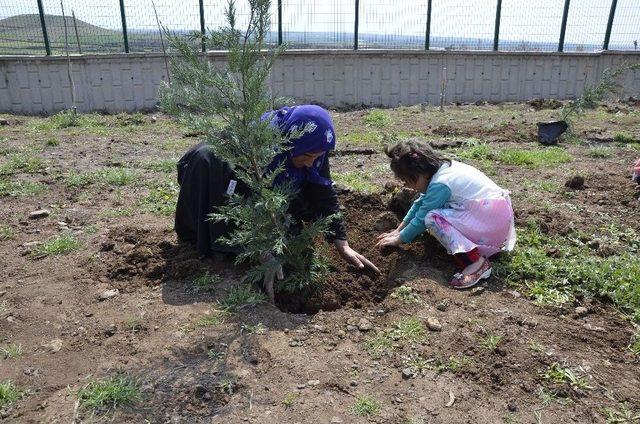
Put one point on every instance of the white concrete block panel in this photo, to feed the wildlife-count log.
(129, 82)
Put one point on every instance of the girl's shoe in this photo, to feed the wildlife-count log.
(463, 281)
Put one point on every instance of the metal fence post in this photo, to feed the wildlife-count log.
(563, 28)
(496, 36)
(47, 46)
(279, 22)
(124, 27)
(202, 28)
(612, 14)
(427, 35)
(355, 28)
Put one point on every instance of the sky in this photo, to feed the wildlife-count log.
(521, 20)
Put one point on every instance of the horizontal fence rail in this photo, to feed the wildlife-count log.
(37, 27)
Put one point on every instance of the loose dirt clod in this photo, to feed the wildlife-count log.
(576, 182)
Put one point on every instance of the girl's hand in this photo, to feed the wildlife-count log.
(395, 232)
(389, 239)
(354, 257)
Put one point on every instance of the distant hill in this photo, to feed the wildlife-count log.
(29, 24)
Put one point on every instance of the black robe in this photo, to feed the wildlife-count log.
(204, 180)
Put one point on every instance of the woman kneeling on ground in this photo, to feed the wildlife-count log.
(205, 181)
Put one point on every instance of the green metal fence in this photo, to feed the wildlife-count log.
(37, 27)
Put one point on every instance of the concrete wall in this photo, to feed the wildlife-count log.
(128, 82)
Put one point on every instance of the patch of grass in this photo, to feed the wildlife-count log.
(453, 364)
(75, 179)
(57, 245)
(107, 394)
(621, 415)
(6, 232)
(9, 393)
(600, 152)
(289, 399)
(634, 346)
(534, 158)
(129, 119)
(23, 162)
(377, 118)
(477, 151)
(564, 375)
(406, 331)
(259, 328)
(68, 119)
(161, 199)
(162, 165)
(356, 181)
(366, 406)
(240, 296)
(119, 212)
(52, 142)
(491, 341)
(15, 188)
(548, 397)
(12, 351)
(207, 281)
(623, 138)
(574, 268)
(363, 138)
(116, 176)
(211, 320)
(406, 294)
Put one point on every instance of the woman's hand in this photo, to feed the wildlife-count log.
(389, 239)
(354, 257)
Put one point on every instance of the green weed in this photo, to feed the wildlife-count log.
(491, 341)
(207, 281)
(366, 406)
(574, 269)
(634, 346)
(9, 393)
(406, 294)
(453, 364)
(6, 232)
(476, 151)
(363, 138)
(258, 328)
(240, 296)
(356, 181)
(600, 152)
(14, 188)
(623, 138)
(289, 399)
(377, 118)
(161, 199)
(227, 384)
(11, 351)
(129, 119)
(214, 354)
(52, 142)
(162, 165)
(564, 375)
(621, 415)
(68, 119)
(22, 162)
(406, 331)
(57, 245)
(547, 397)
(211, 320)
(534, 158)
(107, 394)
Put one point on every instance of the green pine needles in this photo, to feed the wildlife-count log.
(225, 104)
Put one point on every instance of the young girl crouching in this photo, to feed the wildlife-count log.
(469, 214)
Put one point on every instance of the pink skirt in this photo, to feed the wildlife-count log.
(486, 224)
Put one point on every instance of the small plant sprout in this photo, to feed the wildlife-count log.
(621, 415)
(289, 399)
(215, 354)
(227, 385)
(535, 346)
(207, 281)
(366, 406)
(491, 341)
(107, 394)
(634, 346)
(547, 397)
(133, 325)
(240, 296)
(11, 351)
(9, 393)
(406, 294)
(564, 375)
(259, 329)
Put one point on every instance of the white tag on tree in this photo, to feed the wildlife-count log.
(231, 188)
